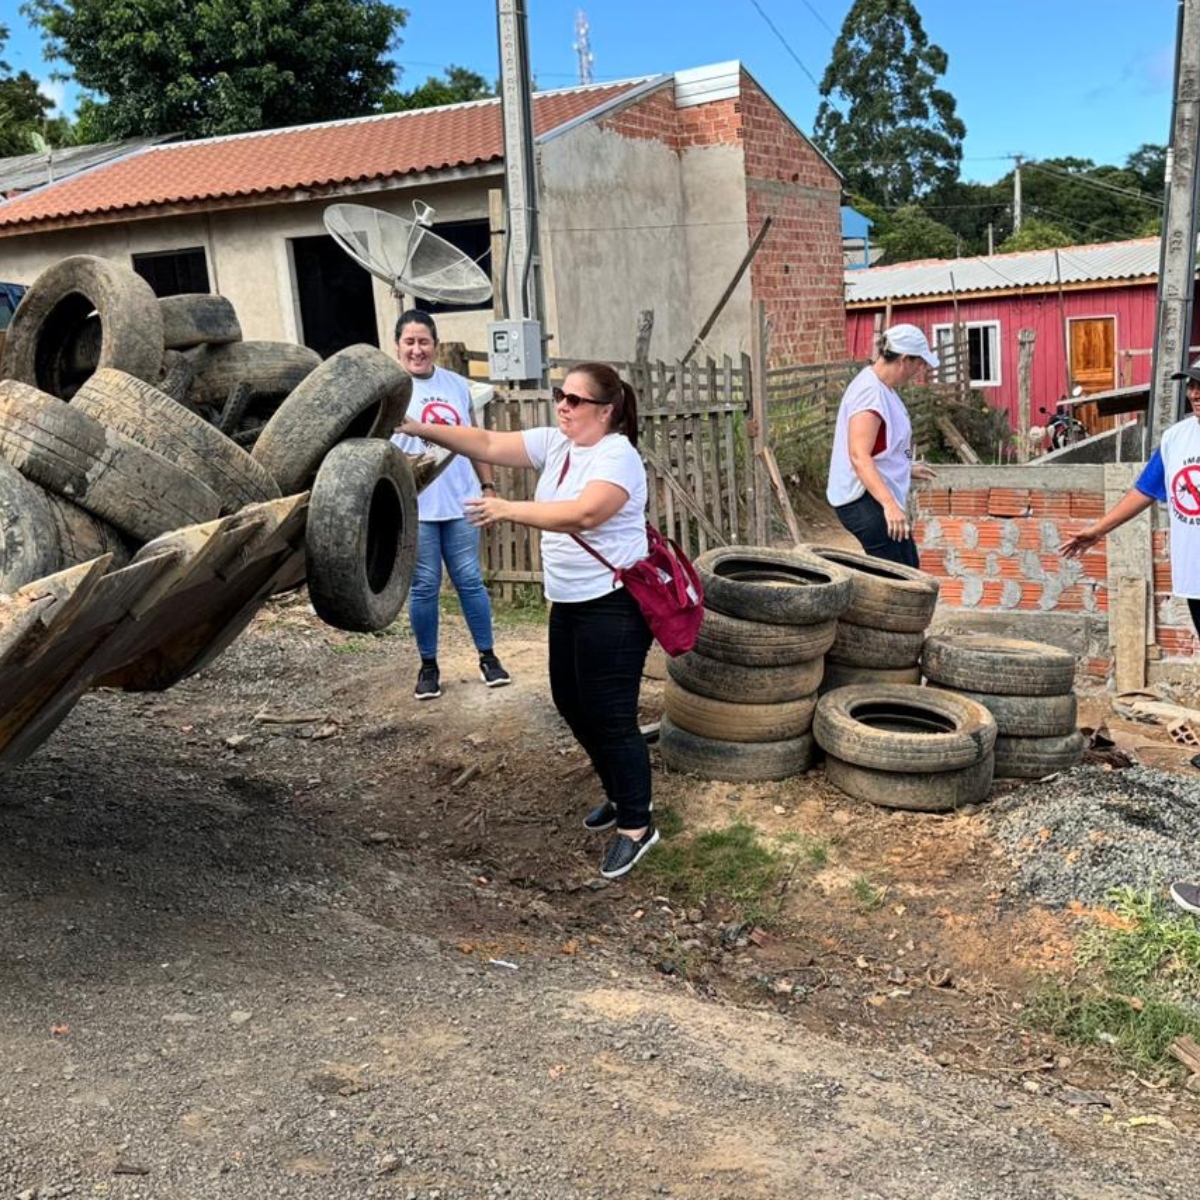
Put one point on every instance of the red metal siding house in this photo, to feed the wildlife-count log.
(1091, 308)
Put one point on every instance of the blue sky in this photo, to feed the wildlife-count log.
(1042, 78)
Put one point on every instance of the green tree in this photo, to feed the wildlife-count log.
(884, 121)
(1036, 234)
(966, 209)
(1149, 163)
(24, 111)
(912, 234)
(221, 66)
(459, 85)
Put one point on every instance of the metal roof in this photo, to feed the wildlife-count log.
(24, 172)
(1028, 269)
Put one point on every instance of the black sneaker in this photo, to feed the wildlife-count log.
(429, 685)
(491, 672)
(1187, 896)
(603, 816)
(623, 852)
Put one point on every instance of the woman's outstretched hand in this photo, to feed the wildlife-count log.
(1073, 547)
(410, 428)
(486, 510)
(923, 472)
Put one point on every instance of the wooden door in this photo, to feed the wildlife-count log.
(1094, 365)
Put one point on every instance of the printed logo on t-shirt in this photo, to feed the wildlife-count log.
(438, 412)
(1185, 492)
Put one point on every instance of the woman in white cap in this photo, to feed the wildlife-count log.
(871, 467)
(1172, 477)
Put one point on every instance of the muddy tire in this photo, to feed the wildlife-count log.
(733, 762)
(269, 368)
(1028, 716)
(742, 684)
(888, 649)
(941, 791)
(198, 320)
(779, 587)
(67, 452)
(361, 535)
(1002, 666)
(28, 539)
(1035, 757)
(911, 730)
(706, 717)
(884, 595)
(52, 313)
(759, 644)
(842, 675)
(154, 420)
(357, 393)
(81, 537)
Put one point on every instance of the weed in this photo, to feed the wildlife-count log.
(813, 852)
(868, 895)
(527, 606)
(351, 646)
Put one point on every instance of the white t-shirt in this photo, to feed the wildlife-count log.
(893, 447)
(571, 574)
(1180, 450)
(442, 399)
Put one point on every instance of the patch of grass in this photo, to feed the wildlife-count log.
(868, 894)
(731, 864)
(1143, 967)
(526, 607)
(812, 852)
(351, 646)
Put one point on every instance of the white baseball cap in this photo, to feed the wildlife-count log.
(908, 339)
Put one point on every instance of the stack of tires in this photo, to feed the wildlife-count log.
(123, 417)
(1027, 687)
(879, 636)
(903, 746)
(739, 706)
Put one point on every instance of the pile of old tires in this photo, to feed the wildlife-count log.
(123, 416)
(879, 636)
(903, 746)
(1028, 689)
(739, 706)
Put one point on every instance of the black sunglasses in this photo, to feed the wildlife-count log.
(572, 400)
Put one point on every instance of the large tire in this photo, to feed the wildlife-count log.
(759, 644)
(733, 762)
(154, 420)
(884, 595)
(901, 728)
(56, 306)
(780, 587)
(858, 646)
(1028, 716)
(82, 537)
(842, 675)
(66, 451)
(1035, 757)
(976, 662)
(742, 684)
(269, 368)
(361, 535)
(358, 392)
(706, 717)
(940, 791)
(28, 539)
(198, 320)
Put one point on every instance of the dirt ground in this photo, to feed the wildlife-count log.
(282, 931)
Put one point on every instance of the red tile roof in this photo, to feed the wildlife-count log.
(307, 156)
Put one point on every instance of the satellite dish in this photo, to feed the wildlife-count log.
(407, 255)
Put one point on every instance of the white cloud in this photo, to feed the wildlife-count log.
(55, 90)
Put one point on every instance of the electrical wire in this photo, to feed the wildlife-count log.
(784, 42)
(1128, 193)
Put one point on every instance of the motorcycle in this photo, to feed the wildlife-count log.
(1063, 428)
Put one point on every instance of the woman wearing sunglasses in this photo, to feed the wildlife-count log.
(592, 487)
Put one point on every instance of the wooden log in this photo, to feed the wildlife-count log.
(958, 443)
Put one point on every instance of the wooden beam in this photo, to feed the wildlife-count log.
(958, 443)
(1130, 621)
(1025, 342)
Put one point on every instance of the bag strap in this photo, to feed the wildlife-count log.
(590, 549)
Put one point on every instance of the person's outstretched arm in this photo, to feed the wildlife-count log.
(1129, 505)
(483, 445)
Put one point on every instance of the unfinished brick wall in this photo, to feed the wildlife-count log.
(1175, 634)
(653, 118)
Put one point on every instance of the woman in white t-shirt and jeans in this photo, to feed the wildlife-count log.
(871, 467)
(592, 486)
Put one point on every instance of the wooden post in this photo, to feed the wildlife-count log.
(453, 356)
(645, 327)
(758, 422)
(496, 230)
(1025, 341)
(1066, 334)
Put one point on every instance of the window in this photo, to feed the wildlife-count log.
(474, 239)
(174, 272)
(983, 352)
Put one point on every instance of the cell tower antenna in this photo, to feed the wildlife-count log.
(583, 46)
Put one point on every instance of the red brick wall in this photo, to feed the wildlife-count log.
(653, 119)
(1174, 631)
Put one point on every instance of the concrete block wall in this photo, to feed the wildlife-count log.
(991, 536)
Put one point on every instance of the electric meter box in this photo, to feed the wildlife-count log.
(515, 350)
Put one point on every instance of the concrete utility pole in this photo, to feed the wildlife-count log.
(1017, 193)
(1177, 269)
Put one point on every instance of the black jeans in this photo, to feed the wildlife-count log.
(1194, 609)
(597, 652)
(864, 518)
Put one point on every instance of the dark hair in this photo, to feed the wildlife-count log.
(414, 316)
(612, 389)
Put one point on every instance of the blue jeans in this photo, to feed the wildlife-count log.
(457, 542)
(864, 518)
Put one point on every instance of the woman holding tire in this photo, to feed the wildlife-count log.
(871, 467)
(592, 487)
